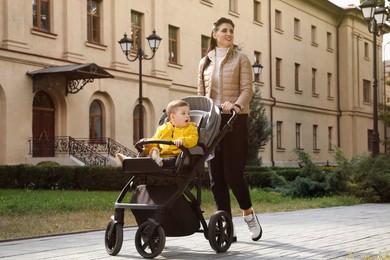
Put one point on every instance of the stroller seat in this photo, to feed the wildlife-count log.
(207, 118)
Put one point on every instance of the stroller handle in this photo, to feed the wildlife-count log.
(140, 144)
(229, 124)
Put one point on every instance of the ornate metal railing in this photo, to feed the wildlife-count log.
(107, 146)
(89, 151)
(85, 153)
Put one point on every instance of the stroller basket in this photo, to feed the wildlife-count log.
(180, 219)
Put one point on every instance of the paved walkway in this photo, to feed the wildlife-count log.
(330, 233)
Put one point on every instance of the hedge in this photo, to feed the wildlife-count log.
(111, 178)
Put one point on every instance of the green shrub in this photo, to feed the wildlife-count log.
(288, 173)
(365, 176)
(372, 176)
(305, 187)
(48, 163)
(339, 179)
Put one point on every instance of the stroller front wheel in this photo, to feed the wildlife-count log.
(220, 231)
(113, 238)
(149, 240)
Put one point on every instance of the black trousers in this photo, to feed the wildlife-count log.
(227, 167)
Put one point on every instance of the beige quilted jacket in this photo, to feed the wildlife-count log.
(235, 78)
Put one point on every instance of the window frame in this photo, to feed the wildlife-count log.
(233, 6)
(92, 121)
(366, 51)
(298, 136)
(315, 138)
(329, 41)
(278, 72)
(173, 44)
(257, 11)
(94, 36)
(278, 20)
(314, 36)
(204, 41)
(297, 28)
(330, 138)
(279, 134)
(367, 97)
(38, 25)
(329, 85)
(296, 77)
(314, 82)
(137, 30)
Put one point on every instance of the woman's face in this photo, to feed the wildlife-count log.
(224, 35)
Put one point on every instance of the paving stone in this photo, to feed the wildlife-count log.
(352, 232)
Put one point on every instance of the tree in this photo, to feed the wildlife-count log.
(384, 116)
(259, 128)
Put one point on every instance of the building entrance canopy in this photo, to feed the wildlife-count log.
(72, 77)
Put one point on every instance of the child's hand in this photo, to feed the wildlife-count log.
(178, 142)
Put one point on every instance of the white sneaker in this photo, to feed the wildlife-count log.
(154, 153)
(119, 158)
(254, 226)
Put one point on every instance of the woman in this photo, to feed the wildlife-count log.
(225, 75)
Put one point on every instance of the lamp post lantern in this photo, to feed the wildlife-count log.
(375, 17)
(257, 67)
(126, 45)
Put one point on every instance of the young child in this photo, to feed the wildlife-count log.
(179, 129)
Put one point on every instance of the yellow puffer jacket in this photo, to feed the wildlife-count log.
(188, 134)
(235, 78)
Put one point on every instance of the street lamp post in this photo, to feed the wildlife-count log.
(375, 17)
(126, 45)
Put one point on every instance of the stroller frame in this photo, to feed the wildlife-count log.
(150, 236)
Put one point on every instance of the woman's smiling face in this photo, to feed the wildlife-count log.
(224, 35)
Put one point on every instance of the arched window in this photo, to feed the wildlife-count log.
(95, 121)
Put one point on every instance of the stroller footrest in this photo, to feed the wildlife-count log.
(140, 165)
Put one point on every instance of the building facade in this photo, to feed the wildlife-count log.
(67, 89)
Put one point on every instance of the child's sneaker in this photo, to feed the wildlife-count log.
(119, 158)
(254, 226)
(154, 153)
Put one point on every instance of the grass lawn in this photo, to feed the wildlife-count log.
(29, 213)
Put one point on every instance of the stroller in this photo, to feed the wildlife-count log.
(153, 205)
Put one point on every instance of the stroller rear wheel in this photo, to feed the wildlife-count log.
(113, 238)
(220, 231)
(149, 240)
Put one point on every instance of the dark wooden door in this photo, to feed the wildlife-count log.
(43, 128)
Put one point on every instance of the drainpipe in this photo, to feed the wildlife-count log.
(270, 79)
(385, 90)
(338, 80)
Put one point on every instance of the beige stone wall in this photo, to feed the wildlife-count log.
(24, 50)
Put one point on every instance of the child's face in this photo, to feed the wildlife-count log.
(181, 117)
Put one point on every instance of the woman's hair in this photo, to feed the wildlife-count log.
(174, 105)
(213, 42)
